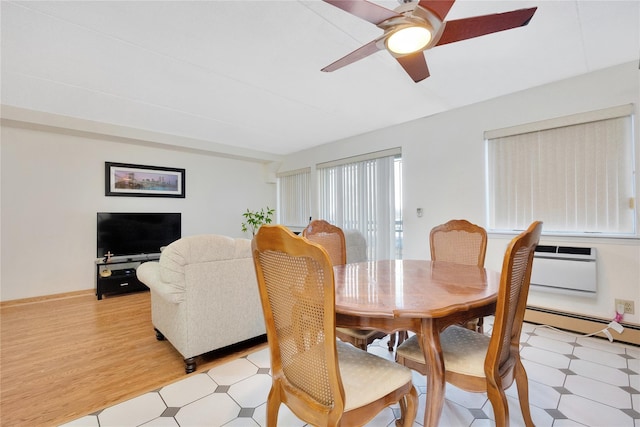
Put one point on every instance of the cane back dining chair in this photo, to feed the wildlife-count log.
(324, 381)
(478, 363)
(461, 242)
(331, 238)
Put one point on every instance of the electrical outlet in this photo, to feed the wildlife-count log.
(626, 305)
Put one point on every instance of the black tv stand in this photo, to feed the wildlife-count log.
(118, 274)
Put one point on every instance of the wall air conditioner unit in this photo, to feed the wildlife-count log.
(564, 269)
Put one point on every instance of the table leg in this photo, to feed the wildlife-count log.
(435, 375)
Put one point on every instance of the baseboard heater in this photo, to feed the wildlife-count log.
(579, 323)
(564, 269)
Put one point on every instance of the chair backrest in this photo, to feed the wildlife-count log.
(458, 241)
(356, 246)
(330, 237)
(512, 299)
(296, 284)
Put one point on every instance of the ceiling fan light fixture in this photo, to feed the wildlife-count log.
(408, 39)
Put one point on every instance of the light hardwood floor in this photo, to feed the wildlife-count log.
(69, 356)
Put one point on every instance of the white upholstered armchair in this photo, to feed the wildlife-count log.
(356, 246)
(204, 295)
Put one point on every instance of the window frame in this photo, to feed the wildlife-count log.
(538, 128)
(384, 236)
(301, 179)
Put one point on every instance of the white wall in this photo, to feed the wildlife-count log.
(53, 185)
(443, 164)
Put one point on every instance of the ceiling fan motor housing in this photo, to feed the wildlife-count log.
(412, 15)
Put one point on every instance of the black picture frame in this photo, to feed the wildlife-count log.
(129, 180)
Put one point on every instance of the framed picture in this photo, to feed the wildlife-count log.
(122, 179)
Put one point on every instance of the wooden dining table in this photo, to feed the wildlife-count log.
(415, 295)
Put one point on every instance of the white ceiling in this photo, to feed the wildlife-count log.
(247, 73)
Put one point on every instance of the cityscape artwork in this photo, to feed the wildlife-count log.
(122, 179)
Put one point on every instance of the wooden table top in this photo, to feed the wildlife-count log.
(412, 288)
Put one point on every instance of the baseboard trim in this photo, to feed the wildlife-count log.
(581, 324)
(35, 300)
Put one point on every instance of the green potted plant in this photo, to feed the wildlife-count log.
(253, 220)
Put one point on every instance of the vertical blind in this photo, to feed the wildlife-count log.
(577, 178)
(360, 194)
(294, 189)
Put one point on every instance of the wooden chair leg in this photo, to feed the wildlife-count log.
(273, 406)
(402, 335)
(522, 384)
(392, 341)
(403, 409)
(396, 338)
(498, 400)
(408, 409)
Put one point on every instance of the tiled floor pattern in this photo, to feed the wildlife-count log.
(573, 381)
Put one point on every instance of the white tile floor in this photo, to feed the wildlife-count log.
(573, 381)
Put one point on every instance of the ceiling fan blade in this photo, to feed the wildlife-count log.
(439, 7)
(356, 55)
(468, 28)
(415, 65)
(366, 10)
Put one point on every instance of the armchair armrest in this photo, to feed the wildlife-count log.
(149, 274)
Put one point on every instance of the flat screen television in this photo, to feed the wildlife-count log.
(136, 233)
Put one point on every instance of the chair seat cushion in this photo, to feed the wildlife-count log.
(362, 334)
(463, 350)
(367, 377)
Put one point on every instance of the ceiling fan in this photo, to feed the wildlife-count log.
(416, 26)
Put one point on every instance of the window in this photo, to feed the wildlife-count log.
(364, 193)
(294, 189)
(576, 174)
